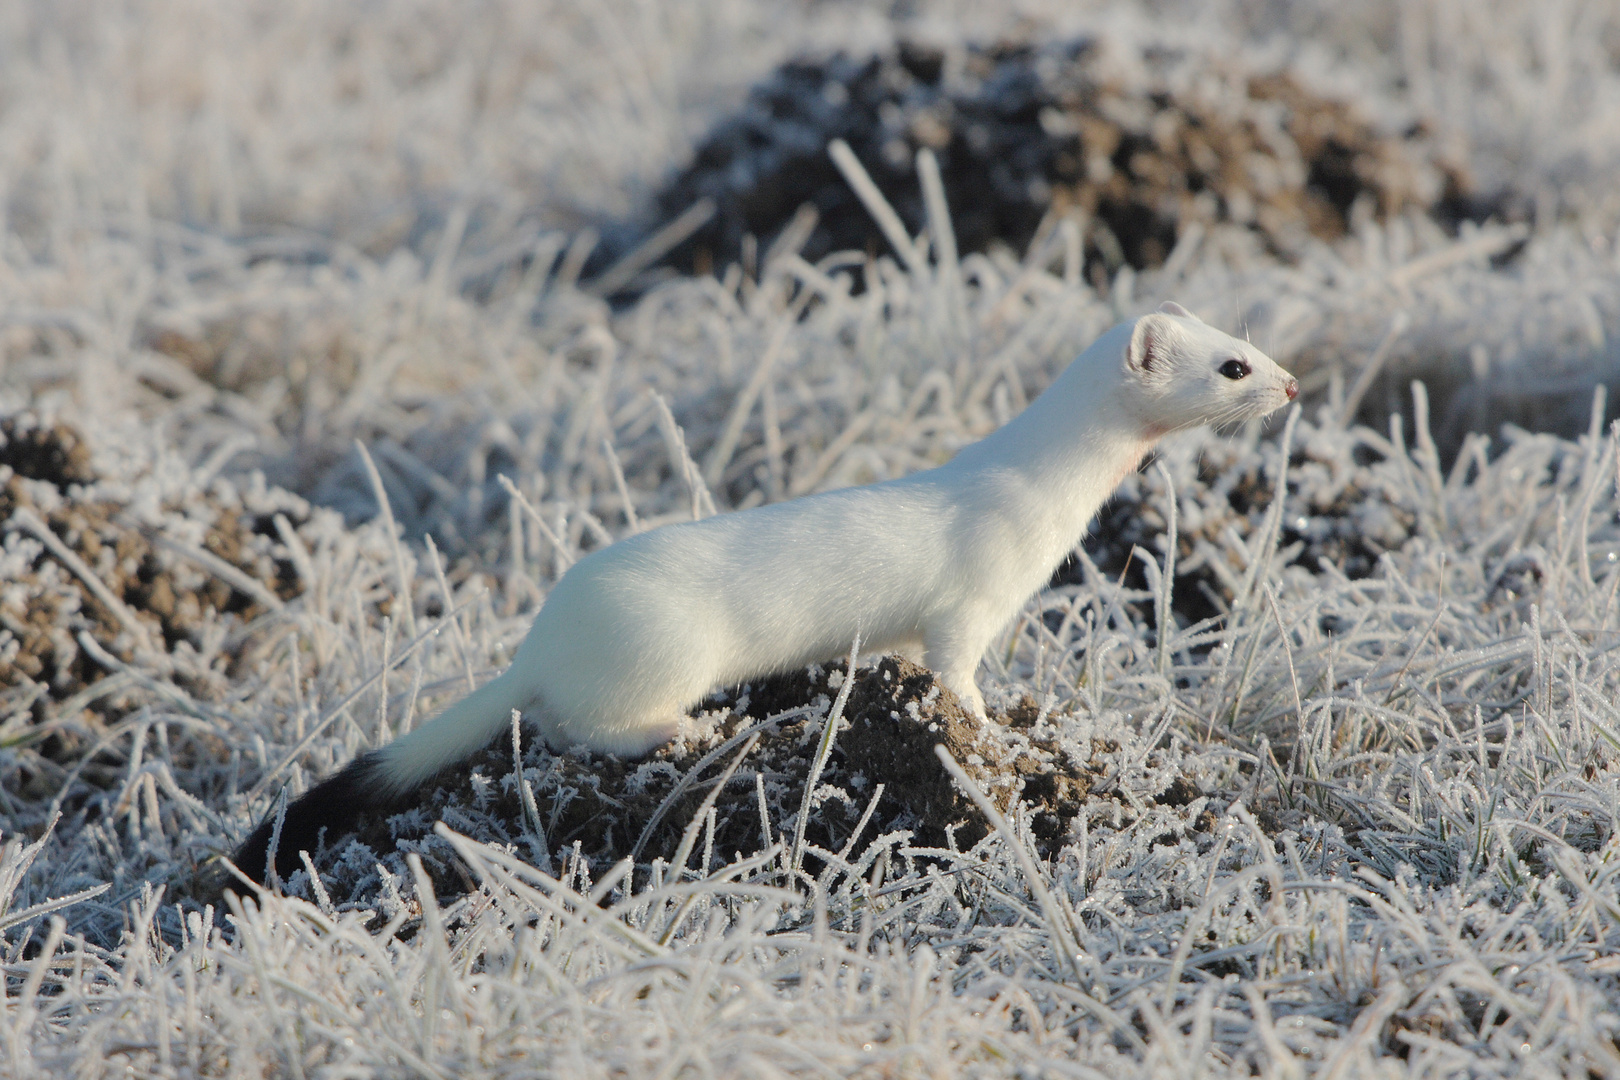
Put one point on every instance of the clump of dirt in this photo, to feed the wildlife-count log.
(1027, 133)
(173, 599)
(55, 453)
(610, 808)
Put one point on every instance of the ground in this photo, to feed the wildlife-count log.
(330, 337)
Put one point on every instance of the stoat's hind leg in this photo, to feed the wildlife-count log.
(624, 738)
(911, 650)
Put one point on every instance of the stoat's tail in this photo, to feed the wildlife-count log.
(375, 781)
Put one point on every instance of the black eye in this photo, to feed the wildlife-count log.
(1235, 369)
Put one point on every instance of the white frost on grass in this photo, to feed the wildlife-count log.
(1401, 860)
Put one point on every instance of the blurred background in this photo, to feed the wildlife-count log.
(183, 181)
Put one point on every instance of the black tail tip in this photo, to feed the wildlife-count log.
(334, 806)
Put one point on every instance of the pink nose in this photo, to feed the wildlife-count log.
(1292, 389)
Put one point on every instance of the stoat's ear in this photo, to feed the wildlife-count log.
(1148, 354)
(1170, 307)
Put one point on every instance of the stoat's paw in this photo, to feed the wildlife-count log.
(632, 738)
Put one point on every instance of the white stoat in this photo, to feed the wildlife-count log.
(930, 567)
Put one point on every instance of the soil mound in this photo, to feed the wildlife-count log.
(1026, 134)
(602, 808)
(83, 576)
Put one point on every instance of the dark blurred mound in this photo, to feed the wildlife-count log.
(1025, 134)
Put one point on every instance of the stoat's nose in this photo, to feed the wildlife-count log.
(1292, 389)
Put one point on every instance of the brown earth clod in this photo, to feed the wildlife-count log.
(44, 609)
(54, 454)
(895, 714)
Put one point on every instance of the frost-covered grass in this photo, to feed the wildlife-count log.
(237, 241)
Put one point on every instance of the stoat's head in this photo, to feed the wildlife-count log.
(1181, 372)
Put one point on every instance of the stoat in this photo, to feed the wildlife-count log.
(929, 567)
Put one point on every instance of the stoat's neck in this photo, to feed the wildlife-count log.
(1068, 451)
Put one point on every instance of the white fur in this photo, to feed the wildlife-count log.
(930, 566)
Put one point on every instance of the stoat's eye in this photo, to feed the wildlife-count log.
(1235, 369)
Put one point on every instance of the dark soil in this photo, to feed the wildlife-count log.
(55, 454)
(603, 805)
(1024, 133)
